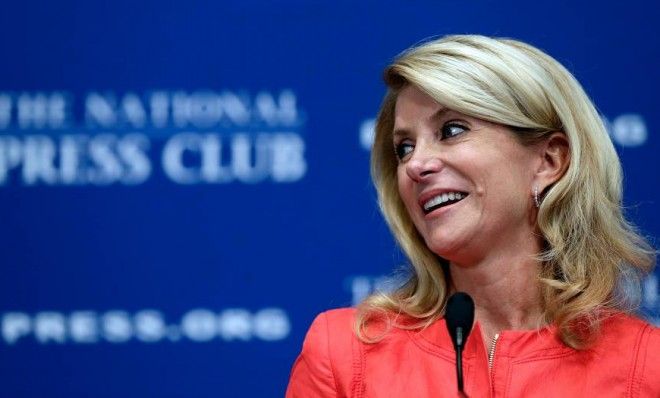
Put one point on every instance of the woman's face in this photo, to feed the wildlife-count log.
(466, 183)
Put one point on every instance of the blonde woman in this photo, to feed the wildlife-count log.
(497, 177)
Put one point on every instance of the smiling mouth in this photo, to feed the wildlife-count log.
(443, 200)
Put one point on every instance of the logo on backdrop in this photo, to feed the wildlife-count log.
(626, 130)
(145, 326)
(103, 138)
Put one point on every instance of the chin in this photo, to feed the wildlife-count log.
(444, 249)
(450, 247)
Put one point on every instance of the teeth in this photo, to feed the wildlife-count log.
(440, 199)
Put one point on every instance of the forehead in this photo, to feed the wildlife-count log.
(413, 103)
(415, 109)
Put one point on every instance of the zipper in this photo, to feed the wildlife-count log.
(491, 351)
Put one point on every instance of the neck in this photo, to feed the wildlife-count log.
(505, 287)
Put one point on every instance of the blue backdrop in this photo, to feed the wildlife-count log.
(184, 185)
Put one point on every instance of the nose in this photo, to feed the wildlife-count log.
(423, 164)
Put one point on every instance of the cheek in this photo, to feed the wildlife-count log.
(508, 190)
(406, 190)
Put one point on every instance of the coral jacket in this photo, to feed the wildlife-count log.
(624, 362)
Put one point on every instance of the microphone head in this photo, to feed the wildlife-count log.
(459, 314)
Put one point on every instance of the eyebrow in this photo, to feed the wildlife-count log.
(436, 116)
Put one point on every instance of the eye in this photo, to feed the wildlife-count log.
(403, 148)
(452, 129)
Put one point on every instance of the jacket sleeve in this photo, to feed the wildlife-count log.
(312, 374)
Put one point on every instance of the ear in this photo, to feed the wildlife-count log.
(555, 157)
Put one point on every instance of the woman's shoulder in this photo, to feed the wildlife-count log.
(629, 332)
(330, 329)
(628, 336)
(325, 364)
(337, 317)
(628, 325)
(335, 324)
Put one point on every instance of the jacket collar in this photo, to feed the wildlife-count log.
(435, 339)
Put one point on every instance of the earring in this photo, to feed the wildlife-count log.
(537, 202)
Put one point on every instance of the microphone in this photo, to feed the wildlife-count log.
(459, 316)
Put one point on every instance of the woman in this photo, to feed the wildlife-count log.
(497, 177)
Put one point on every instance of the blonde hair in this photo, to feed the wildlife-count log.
(593, 257)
